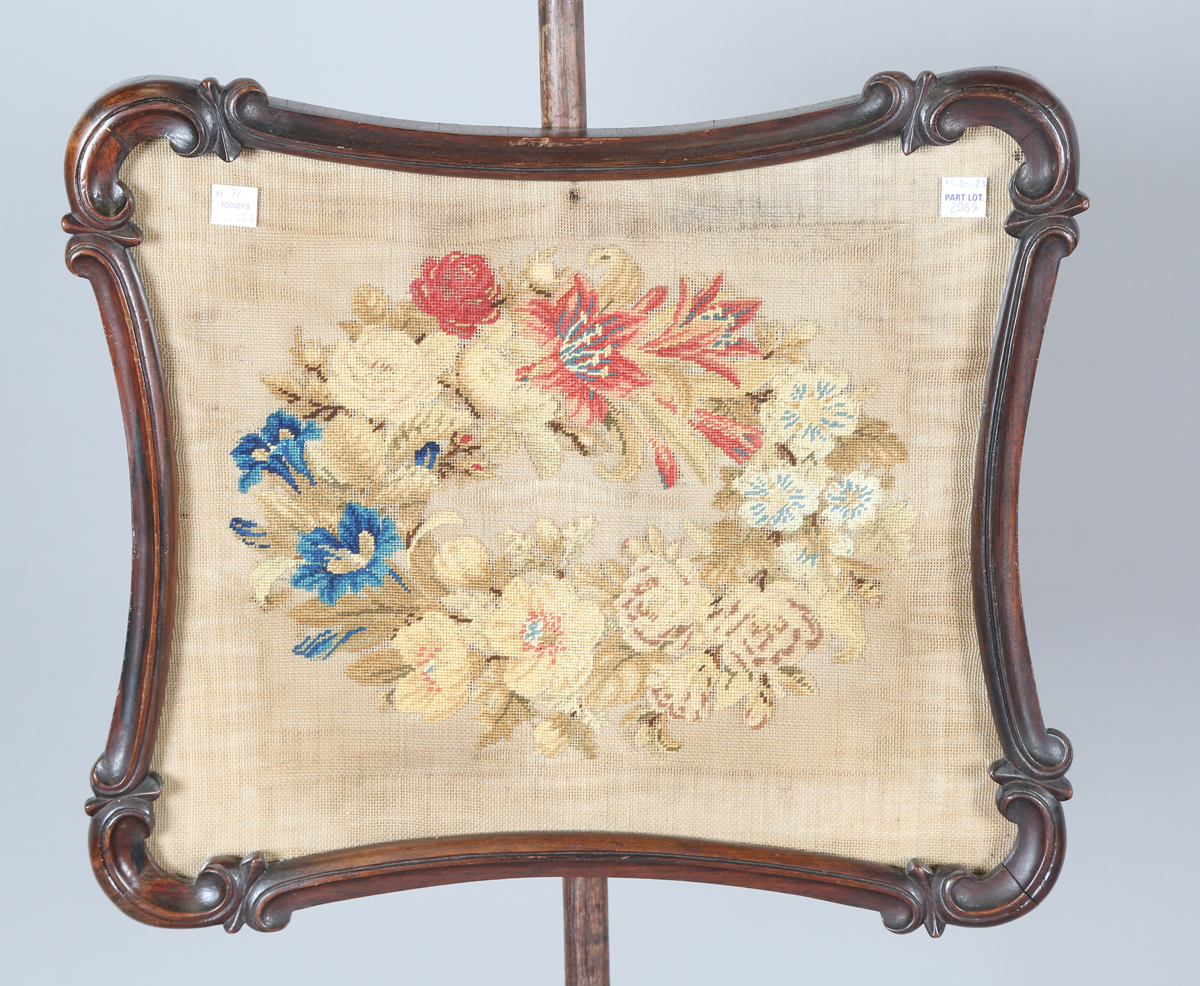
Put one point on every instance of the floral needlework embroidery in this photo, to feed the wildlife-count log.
(435, 391)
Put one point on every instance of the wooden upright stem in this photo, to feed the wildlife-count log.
(564, 107)
(564, 94)
(585, 920)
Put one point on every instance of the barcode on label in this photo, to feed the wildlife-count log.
(234, 205)
(964, 198)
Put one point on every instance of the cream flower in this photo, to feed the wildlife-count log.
(810, 409)
(548, 635)
(385, 376)
(759, 630)
(487, 367)
(852, 500)
(662, 604)
(520, 413)
(463, 562)
(487, 375)
(442, 668)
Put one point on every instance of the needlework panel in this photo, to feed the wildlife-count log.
(598, 506)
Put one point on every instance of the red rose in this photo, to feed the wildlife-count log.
(460, 291)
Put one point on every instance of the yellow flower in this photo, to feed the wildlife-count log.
(548, 635)
(442, 668)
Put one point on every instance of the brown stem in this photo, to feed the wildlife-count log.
(564, 94)
(585, 921)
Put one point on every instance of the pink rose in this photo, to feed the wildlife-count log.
(661, 605)
(763, 630)
(460, 291)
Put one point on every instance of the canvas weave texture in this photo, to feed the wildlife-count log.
(633, 506)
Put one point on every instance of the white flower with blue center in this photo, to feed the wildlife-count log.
(780, 498)
(809, 409)
(852, 500)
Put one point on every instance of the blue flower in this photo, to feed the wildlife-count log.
(427, 454)
(356, 557)
(277, 448)
(253, 534)
(318, 646)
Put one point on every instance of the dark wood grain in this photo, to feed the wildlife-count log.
(105, 261)
(205, 117)
(564, 84)
(1043, 754)
(585, 930)
(304, 882)
(128, 874)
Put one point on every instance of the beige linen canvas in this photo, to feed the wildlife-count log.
(631, 506)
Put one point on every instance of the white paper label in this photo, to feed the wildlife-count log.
(964, 198)
(234, 205)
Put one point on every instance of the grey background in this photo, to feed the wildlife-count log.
(1108, 505)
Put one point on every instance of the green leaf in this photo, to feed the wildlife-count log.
(795, 680)
(502, 711)
(872, 442)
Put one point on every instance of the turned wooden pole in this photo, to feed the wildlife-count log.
(564, 107)
(585, 920)
(564, 94)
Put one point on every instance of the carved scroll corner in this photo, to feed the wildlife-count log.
(239, 875)
(236, 95)
(1019, 222)
(1003, 772)
(120, 828)
(899, 88)
(916, 132)
(128, 235)
(956, 895)
(920, 880)
(145, 793)
(220, 139)
(193, 117)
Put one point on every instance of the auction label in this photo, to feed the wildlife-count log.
(964, 198)
(236, 205)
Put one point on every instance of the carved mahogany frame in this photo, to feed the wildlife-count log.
(199, 118)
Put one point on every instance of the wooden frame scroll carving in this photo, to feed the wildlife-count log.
(206, 117)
